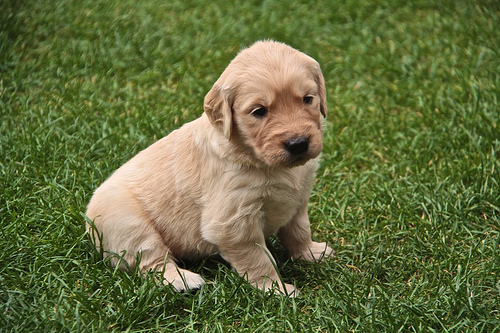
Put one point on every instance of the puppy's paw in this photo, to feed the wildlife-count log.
(279, 288)
(182, 279)
(290, 290)
(316, 252)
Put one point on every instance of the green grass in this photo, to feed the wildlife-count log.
(407, 194)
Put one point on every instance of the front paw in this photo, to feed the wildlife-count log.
(316, 252)
(288, 290)
(279, 288)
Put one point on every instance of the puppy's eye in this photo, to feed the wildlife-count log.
(307, 99)
(259, 112)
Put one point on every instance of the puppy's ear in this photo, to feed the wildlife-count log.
(217, 106)
(320, 82)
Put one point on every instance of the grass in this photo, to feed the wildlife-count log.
(407, 194)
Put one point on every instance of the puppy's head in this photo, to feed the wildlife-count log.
(270, 100)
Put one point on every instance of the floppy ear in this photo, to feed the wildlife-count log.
(217, 106)
(320, 82)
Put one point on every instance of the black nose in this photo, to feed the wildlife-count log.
(297, 146)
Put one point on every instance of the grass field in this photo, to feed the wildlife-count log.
(407, 193)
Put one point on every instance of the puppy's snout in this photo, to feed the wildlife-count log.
(297, 146)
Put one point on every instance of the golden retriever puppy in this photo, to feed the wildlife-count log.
(226, 181)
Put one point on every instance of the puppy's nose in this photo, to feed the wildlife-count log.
(297, 146)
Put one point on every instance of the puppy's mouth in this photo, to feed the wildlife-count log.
(290, 161)
(292, 152)
(286, 160)
(298, 160)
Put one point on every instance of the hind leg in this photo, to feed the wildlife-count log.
(155, 257)
(180, 279)
(127, 233)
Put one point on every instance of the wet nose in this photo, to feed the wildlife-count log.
(297, 146)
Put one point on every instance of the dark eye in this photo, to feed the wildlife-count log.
(259, 112)
(307, 99)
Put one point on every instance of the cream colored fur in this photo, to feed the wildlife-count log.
(225, 181)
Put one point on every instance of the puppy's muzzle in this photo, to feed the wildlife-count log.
(297, 146)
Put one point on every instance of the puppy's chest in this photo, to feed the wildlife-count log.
(274, 198)
(279, 205)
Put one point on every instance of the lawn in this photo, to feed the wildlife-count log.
(407, 193)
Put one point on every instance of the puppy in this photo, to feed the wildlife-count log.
(226, 181)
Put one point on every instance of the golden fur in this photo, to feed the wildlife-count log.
(226, 181)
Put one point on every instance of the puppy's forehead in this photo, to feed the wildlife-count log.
(273, 56)
(271, 49)
(272, 65)
(274, 82)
